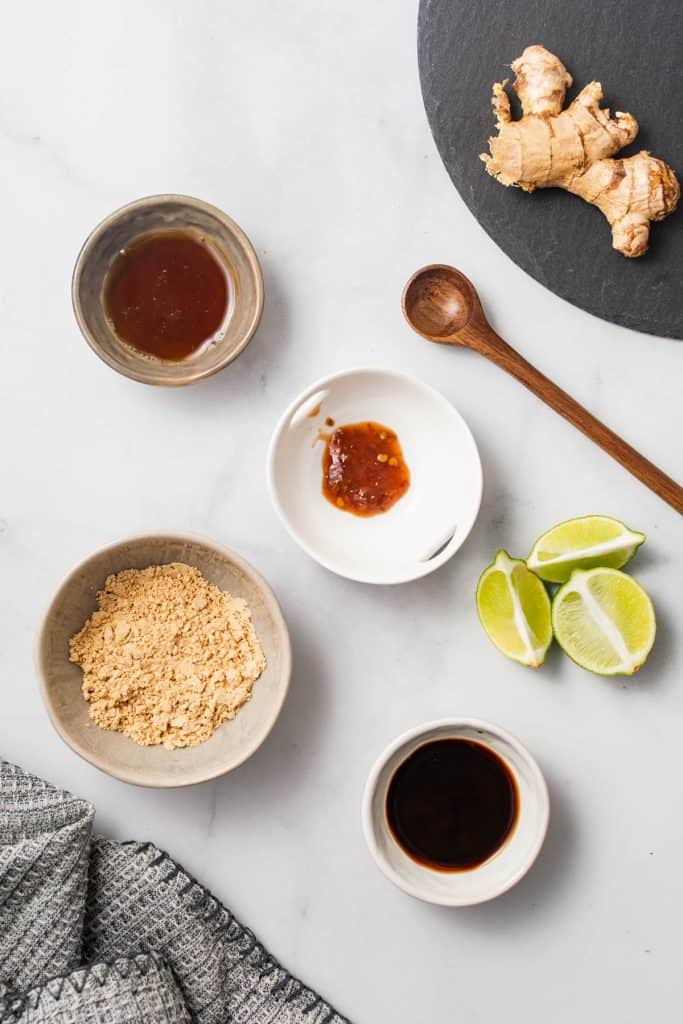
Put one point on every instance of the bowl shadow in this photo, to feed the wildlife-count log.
(246, 379)
(289, 753)
(543, 883)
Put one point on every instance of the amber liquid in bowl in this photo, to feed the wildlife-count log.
(166, 294)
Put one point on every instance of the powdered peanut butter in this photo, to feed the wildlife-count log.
(168, 657)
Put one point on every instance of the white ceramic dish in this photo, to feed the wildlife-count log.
(501, 871)
(424, 528)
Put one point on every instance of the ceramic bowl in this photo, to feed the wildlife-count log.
(501, 871)
(162, 213)
(425, 527)
(112, 752)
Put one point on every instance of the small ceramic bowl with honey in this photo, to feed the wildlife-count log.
(375, 475)
(167, 290)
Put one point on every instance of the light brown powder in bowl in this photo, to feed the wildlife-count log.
(168, 657)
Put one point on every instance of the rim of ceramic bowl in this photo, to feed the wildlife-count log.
(140, 204)
(420, 569)
(133, 778)
(423, 732)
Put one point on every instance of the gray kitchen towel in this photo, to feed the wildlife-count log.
(98, 932)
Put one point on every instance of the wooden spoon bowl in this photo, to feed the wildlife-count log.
(438, 302)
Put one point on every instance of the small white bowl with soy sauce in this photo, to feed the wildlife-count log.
(455, 812)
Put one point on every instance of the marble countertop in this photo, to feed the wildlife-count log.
(304, 121)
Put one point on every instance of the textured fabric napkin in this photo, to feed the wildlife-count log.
(98, 932)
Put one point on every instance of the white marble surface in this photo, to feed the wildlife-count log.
(304, 121)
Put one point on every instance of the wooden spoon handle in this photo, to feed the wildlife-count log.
(492, 346)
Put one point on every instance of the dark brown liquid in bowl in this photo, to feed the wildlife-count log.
(452, 804)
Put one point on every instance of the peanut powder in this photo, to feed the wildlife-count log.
(167, 657)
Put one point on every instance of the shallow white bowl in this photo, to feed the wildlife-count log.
(501, 871)
(424, 528)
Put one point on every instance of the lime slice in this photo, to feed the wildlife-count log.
(604, 621)
(583, 543)
(514, 609)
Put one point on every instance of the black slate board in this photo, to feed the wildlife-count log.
(635, 49)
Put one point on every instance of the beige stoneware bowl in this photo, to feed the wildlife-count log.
(176, 213)
(115, 753)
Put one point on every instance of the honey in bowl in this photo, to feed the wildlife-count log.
(364, 471)
(452, 804)
(166, 294)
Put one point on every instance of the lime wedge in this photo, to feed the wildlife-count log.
(604, 621)
(514, 609)
(583, 543)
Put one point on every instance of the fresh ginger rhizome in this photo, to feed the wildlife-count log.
(573, 149)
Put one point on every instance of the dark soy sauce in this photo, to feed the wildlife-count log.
(452, 804)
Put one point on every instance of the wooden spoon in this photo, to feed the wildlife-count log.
(441, 304)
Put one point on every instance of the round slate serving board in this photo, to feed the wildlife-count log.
(635, 50)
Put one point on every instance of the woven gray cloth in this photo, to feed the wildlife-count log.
(98, 932)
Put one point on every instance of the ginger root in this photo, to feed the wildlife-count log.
(549, 147)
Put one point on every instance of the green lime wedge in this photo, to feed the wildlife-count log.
(584, 543)
(514, 609)
(604, 621)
